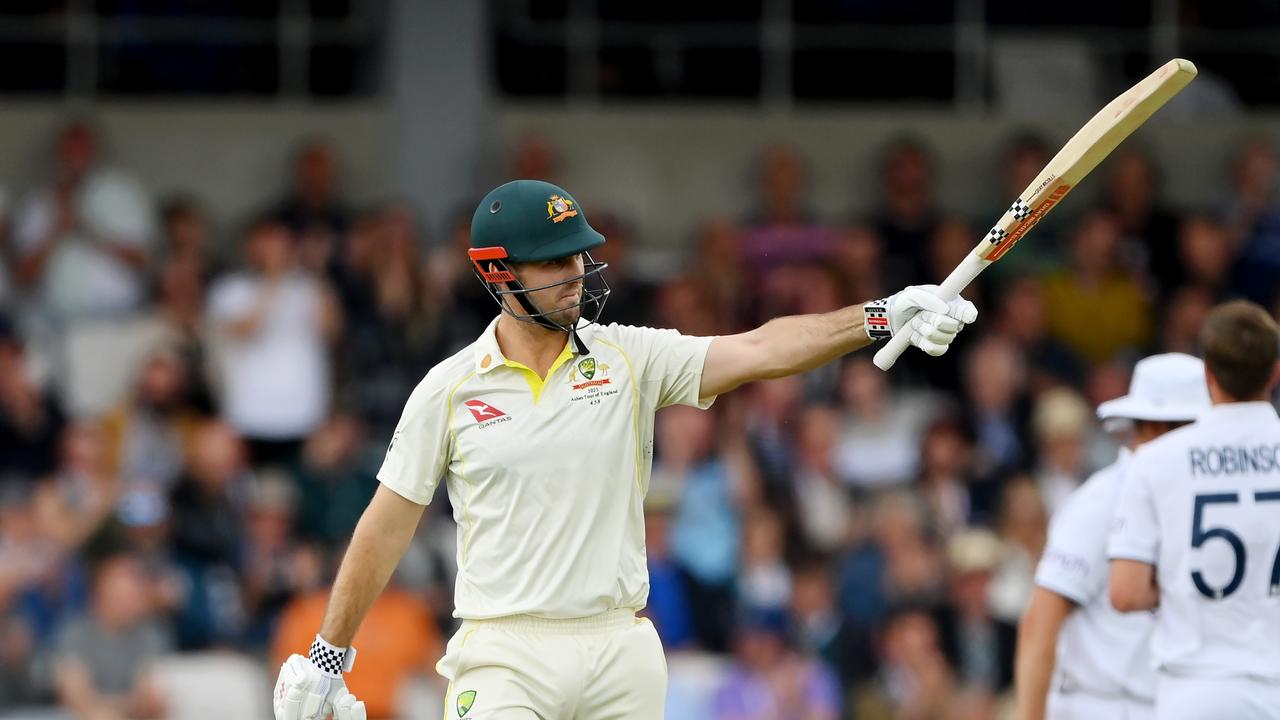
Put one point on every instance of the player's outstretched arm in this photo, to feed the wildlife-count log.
(789, 345)
(311, 687)
(1037, 645)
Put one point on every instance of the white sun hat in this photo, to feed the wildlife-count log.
(1169, 387)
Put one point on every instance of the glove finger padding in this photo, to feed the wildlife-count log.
(347, 707)
(929, 346)
(302, 691)
(943, 325)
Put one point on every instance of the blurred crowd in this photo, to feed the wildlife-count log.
(191, 419)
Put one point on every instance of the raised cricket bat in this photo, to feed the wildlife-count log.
(1081, 154)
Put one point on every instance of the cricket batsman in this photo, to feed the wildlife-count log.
(542, 430)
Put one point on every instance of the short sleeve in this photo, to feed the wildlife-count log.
(1074, 561)
(418, 454)
(1135, 532)
(671, 361)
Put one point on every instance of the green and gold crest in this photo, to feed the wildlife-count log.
(465, 701)
(587, 366)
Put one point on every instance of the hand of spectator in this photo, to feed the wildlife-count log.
(932, 322)
(304, 691)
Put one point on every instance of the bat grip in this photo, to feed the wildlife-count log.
(957, 281)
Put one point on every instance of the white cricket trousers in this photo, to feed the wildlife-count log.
(1238, 698)
(605, 667)
(1087, 706)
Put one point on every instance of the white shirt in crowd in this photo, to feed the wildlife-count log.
(81, 279)
(547, 478)
(275, 382)
(1202, 504)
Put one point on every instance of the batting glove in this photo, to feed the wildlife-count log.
(311, 688)
(932, 321)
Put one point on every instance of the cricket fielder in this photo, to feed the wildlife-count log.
(542, 430)
(1076, 654)
(1197, 533)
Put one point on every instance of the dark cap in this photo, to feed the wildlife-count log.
(532, 221)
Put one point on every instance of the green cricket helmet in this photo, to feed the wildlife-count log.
(534, 221)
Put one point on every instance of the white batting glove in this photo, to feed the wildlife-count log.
(311, 688)
(932, 321)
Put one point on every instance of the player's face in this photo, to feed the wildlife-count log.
(560, 301)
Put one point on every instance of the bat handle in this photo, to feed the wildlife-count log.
(957, 281)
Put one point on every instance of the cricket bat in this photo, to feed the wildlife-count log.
(1082, 153)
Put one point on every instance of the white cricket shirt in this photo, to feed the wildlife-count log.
(547, 479)
(1100, 650)
(1202, 504)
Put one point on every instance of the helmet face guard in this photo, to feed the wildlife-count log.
(595, 290)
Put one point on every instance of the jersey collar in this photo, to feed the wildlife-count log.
(1243, 412)
(489, 356)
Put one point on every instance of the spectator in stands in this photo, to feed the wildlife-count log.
(275, 323)
(1183, 317)
(718, 264)
(914, 681)
(1097, 308)
(148, 434)
(268, 577)
(1205, 255)
(896, 564)
(30, 421)
(769, 681)
(819, 629)
(1022, 526)
(879, 444)
(105, 662)
(1253, 221)
(392, 325)
(764, 579)
(685, 304)
(209, 507)
(535, 156)
(76, 503)
(82, 241)
(859, 260)
(185, 233)
(979, 646)
(822, 502)
(997, 408)
(630, 295)
(954, 496)
(1251, 203)
(1148, 230)
(669, 607)
(314, 210)
(907, 214)
(336, 479)
(1023, 319)
(785, 236)
(30, 568)
(1062, 424)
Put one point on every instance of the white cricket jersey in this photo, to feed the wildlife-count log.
(1100, 651)
(547, 479)
(1202, 504)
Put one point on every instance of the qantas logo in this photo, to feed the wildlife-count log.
(483, 412)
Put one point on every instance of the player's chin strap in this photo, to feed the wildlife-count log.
(539, 317)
